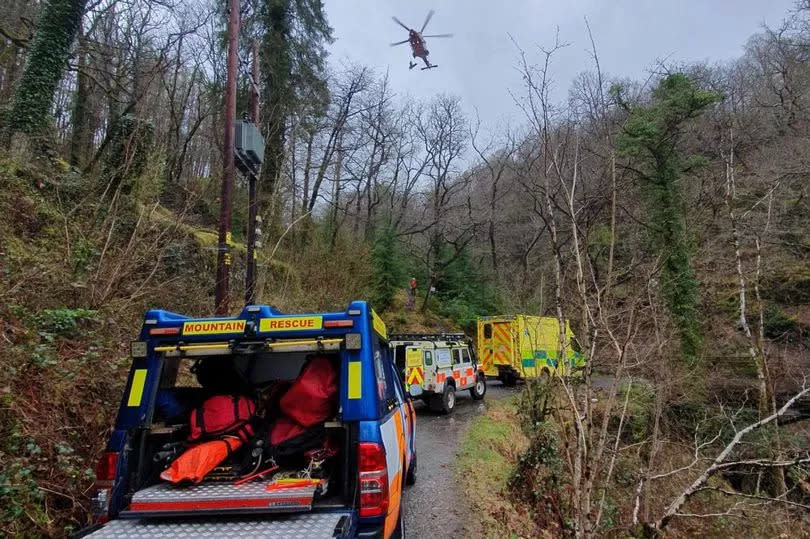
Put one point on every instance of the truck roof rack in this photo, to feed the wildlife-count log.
(428, 337)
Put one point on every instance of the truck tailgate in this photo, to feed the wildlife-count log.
(164, 499)
(310, 525)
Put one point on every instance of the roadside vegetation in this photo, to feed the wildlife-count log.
(486, 467)
(529, 485)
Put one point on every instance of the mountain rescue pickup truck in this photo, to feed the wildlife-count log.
(371, 432)
(435, 366)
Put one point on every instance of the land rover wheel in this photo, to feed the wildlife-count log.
(479, 389)
(448, 399)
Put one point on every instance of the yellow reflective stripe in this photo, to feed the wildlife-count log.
(378, 325)
(136, 390)
(355, 379)
(415, 376)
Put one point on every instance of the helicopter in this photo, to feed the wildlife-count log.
(417, 42)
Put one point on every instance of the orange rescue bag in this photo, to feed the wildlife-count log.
(198, 461)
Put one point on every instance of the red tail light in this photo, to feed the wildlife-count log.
(373, 480)
(106, 467)
(338, 324)
(164, 331)
(105, 477)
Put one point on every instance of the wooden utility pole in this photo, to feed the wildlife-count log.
(250, 273)
(229, 169)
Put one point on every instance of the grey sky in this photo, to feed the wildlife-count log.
(478, 64)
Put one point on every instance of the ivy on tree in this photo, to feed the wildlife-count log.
(652, 138)
(50, 48)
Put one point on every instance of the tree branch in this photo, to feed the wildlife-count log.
(719, 461)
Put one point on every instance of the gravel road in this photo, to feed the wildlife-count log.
(432, 508)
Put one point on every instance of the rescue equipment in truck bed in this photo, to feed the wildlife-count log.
(196, 462)
(349, 430)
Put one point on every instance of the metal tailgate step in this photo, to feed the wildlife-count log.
(164, 499)
(298, 526)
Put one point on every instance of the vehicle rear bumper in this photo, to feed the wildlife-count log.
(371, 531)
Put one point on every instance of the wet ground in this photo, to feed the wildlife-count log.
(432, 506)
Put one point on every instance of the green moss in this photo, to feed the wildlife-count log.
(205, 237)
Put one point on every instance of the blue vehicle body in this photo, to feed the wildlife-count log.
(365, 365)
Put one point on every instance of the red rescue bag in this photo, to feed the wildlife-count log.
(312, 398)
(223, 414)
(285, 429)
(289, 439)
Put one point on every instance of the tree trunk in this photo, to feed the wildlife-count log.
(307, 168)
(271, 169)
(81, 137)
(47, 59)
(333, 224)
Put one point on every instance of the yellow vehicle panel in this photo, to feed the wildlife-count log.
(528, 343)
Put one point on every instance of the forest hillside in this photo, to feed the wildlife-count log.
(666, 218)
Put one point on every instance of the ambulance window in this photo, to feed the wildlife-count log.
(465, 355)
(487, 331)
(428, 358)
(456, 356)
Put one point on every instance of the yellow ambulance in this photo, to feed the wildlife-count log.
(523, 346)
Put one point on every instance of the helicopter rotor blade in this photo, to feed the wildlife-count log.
(399, 22)
(427, 20)
(399, 42)
(440, 35)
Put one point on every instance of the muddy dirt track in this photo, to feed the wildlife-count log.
(433, 508)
